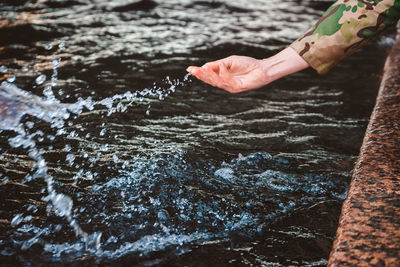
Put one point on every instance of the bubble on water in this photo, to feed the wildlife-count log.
(40, 79)
(163, 215)
(48, 46)
(61, 46)
(11, 79)
(3, 69)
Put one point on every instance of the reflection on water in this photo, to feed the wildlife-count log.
(111, 154)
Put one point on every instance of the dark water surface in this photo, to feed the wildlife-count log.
(111, 155)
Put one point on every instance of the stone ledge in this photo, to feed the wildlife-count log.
(369, 227)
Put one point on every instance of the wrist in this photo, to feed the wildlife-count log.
(282, 64)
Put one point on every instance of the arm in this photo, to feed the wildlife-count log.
(236, 74)
(345, 26)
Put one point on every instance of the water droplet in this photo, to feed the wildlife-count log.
(163, 215)
(40, 79)
(73, 134)
(61, 46)
(3, 69)
(28, 218)
(56, 61)
(70, 159)
(11, 79)
(89, 175)
(48, 46)
(102, 132)
(48, 92)
(18, 218)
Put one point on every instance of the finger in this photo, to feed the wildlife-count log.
(192, 69)
(238, 86)
(228, 62)
(206, 76)
(216, 78)
(201, 74)
(224, 73)
(212, 66)
(230, 82)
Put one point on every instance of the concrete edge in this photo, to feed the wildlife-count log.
(369, 225)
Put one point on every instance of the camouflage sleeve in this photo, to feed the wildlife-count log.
(344, 27)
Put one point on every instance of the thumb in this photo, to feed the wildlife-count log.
(224, 73)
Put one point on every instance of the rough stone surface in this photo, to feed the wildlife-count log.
(369, 227)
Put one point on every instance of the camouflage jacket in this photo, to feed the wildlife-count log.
(344, 27)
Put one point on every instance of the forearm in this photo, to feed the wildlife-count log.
(284, 63)
(345, 27)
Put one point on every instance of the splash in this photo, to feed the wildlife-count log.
(16, 103)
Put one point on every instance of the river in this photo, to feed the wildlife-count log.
(111, 154)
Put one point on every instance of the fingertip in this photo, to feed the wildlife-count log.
(193, 70)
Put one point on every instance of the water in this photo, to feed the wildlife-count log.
(111, 154)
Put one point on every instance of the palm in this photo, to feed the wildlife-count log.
(234, 74)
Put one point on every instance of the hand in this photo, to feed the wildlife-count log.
(237, 74)
(234, 74)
